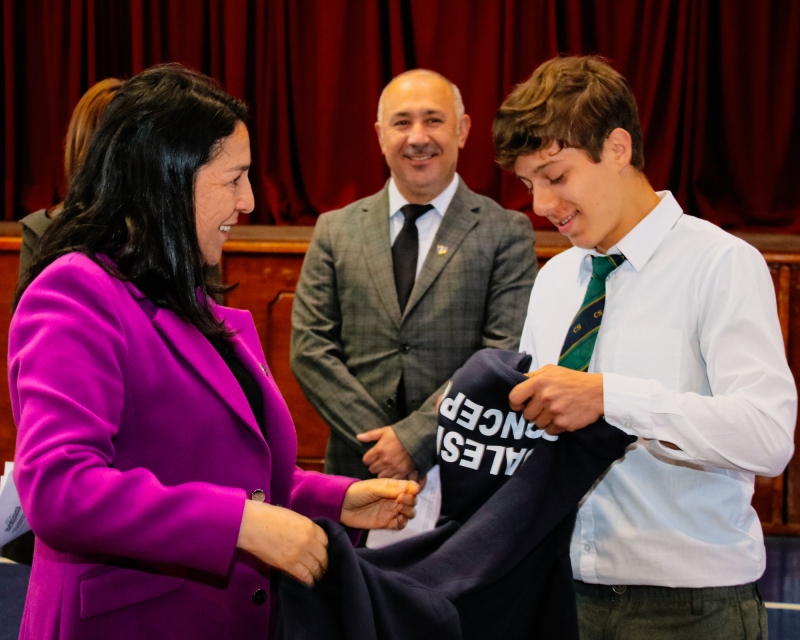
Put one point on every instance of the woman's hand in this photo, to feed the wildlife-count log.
(380, 504)
(284, 540)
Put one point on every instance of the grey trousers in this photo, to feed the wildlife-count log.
(661, 613)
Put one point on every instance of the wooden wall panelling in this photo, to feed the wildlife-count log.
(792, 488)
(266, 262)
(771, 498)
(267, 274)
(768, 498)
(9, 268)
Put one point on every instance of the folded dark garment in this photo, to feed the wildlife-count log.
(480, 442)
(503, 573)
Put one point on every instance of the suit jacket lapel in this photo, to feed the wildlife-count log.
(461, 217)
(378, 251)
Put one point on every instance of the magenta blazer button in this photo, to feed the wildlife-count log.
(258, 495)
(260, 596)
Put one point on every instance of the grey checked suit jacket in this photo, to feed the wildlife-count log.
(350, 344)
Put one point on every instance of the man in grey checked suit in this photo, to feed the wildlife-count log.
(371, 369)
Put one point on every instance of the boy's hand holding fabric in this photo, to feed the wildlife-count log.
(558, 399)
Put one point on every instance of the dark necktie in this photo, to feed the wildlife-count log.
(579, 343)
(405, 252)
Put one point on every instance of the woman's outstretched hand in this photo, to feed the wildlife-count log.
(284, 540)
(380, 504)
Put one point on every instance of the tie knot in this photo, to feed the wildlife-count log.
(602, 266)
(413, 211)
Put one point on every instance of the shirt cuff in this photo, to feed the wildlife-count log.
(628, 404)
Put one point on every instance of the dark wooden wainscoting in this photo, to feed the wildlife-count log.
(266, 263)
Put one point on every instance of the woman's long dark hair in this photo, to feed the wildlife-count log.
(133, 197)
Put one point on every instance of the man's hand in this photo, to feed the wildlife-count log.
(559, 399)
(380, 504)
(388, 458)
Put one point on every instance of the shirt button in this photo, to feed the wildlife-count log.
(587, 548)
(258, 495)
(390, 403)
(405, 348)
(628, 424)
(259, 596)
(619, 588)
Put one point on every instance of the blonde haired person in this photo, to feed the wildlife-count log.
(81, 129)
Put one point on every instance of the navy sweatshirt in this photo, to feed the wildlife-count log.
(502, 573)
(480, 442)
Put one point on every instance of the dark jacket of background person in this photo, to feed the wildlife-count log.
(350, 344)
(35, 224)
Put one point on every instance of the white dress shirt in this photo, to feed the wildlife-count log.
(691, 353)
(427, 224)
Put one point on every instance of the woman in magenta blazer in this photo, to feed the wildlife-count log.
(155, 455)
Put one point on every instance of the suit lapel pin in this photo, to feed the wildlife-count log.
(441, 249)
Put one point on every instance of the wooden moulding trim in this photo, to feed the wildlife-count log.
(243, 246)
(781, 258)
(10, 244)
(778, 495)
(543, 251)
(774, 529)
(783, 293)
(548, 252)
(295, 247)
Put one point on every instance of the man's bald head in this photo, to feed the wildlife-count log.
(458, 102)
(421, 127)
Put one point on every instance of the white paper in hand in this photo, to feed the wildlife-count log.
(12, 521)
(429, 503)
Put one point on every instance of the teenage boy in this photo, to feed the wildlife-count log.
(667, 326)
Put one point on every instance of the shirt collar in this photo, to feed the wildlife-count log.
(440, 202)
(641, 242)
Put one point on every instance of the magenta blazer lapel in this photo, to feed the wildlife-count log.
(201, 356)
(278, 419)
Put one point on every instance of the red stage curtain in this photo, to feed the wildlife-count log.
(717, 84)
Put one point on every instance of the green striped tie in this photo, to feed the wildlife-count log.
(579, 343)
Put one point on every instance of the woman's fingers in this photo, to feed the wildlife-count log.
(315, 553)
(317, 568)
(311, 567)
(374, 504)
(285, 540)
(407, 511)
(320, 535)
(405, 515)
(407, 499)
(319, 553)
(301, 573)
